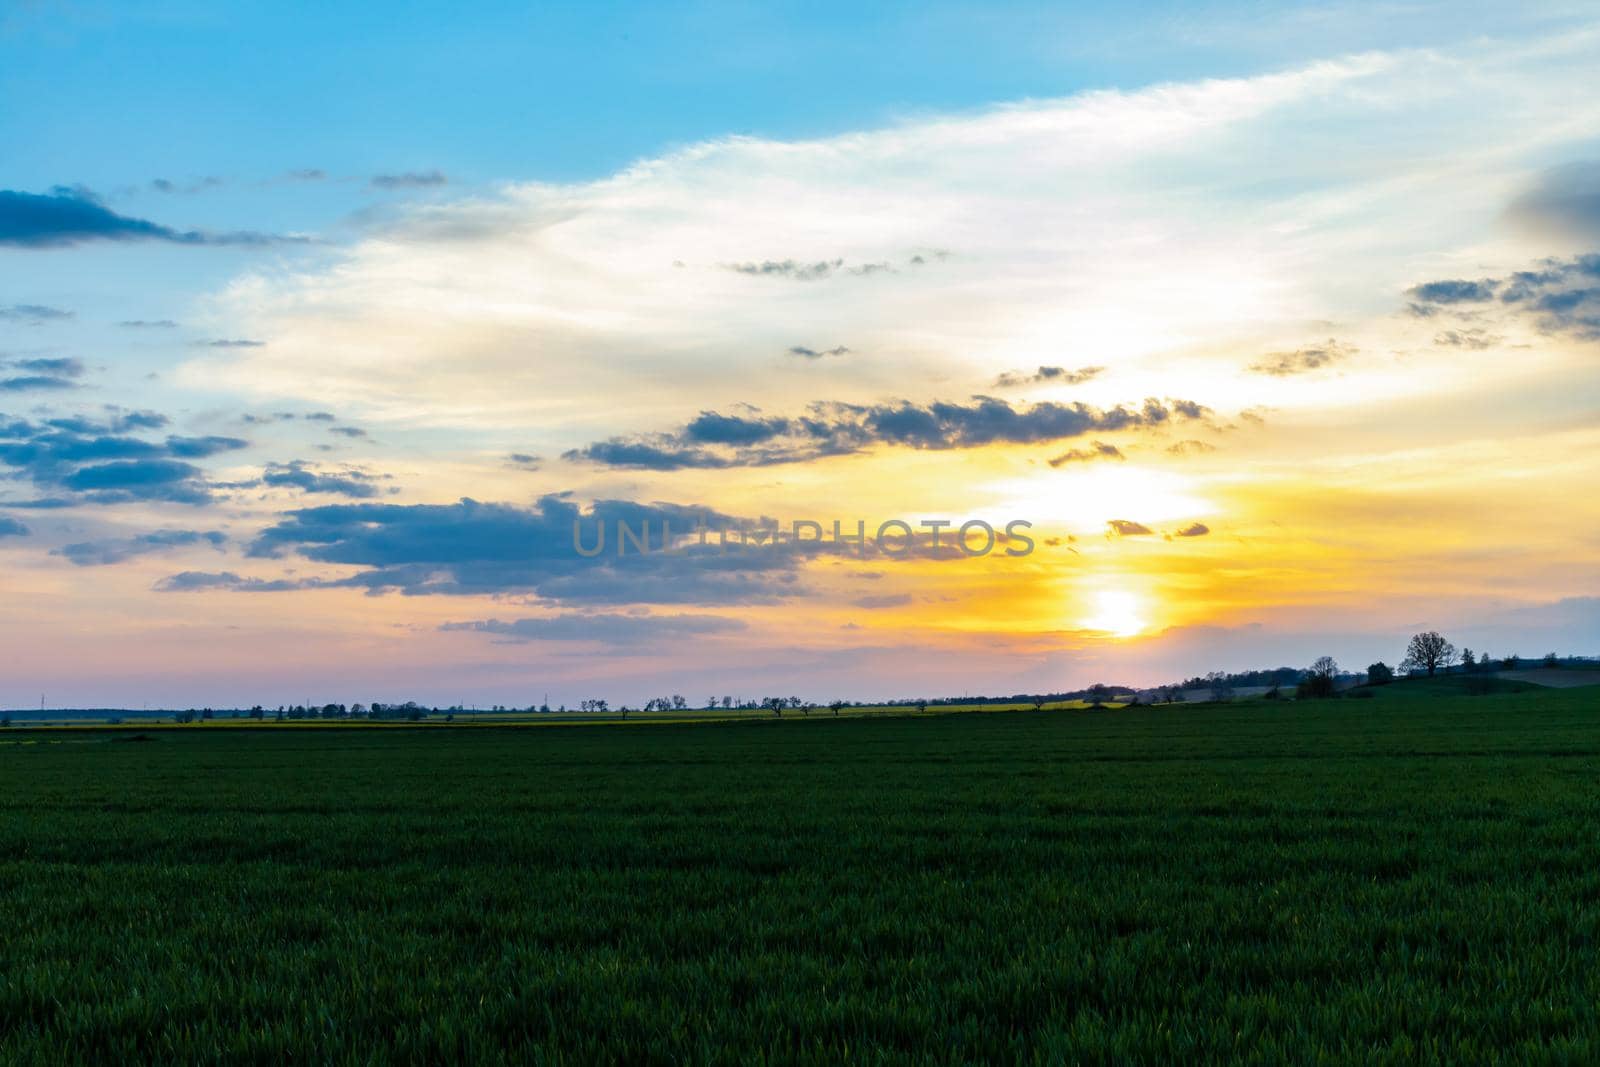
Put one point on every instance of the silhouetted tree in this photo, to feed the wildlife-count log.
(1428, 651)
(834, 706)
(1318, 683)
(1379, 674)
(1221, 688)
(1552, 660)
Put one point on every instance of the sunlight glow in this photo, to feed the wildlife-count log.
(1117, 613)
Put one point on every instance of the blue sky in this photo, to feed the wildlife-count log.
(1244, 304)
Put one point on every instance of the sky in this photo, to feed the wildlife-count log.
(1256, 333)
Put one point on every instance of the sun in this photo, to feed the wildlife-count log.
(1116, 613)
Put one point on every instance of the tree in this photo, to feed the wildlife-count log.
(1221, 688)
(1099, 693)
(922, 705)
(1428, 651)
(1318, 684)
(1552, 660)
(1379, 674)
(1467, 660)
(774, 705)
(834, 706)
(1510, 662)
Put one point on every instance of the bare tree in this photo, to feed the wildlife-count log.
(1428, 651)
(834, 706)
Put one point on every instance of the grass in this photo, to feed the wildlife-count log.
(1411, 877)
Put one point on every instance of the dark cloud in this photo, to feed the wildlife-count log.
(524, 460)
(713, 441)
(1128, 528)
(66, 366)
(1473, 339)
(1563, 203)
(473, 548)
(638, 455)
(10, 527)
(148, 324)
(31, 382)
(33, 314)
(1097, 450)
(347, 431)
(201, 581)
(1560, 297)
(1302, 360)
(814, 353)
(104, 461)
(72, 216)
(788, 268)
(300, 475)
(1048, 375)
(409, 180)
(885, 600)
(616, 630)
(1194, 529)
(319, 416)
(1454, 291)
(201, 447)
(115, 550)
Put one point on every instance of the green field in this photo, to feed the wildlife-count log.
(1410, 877)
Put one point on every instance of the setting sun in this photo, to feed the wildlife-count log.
(1117, 613)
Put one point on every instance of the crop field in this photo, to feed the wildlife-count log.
(1413, 877)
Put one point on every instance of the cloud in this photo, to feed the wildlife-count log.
(201, 447)
(1190, 448)
(104, 461)
(619, 631)
(30, 382)
(812, 353)
(1128, 528)
(308, 174)
(299, 475)
(202, 581)
(65, 217)
(1097, 450)
(1194, 529)
(1303, 360)
(231, 342)
(10, 527)
(57, 373)
(473, 548)
(408, 180)
(524, 461)
(884, 600)
(1563, 203)
(788, 268)
(1048, 376)
(1475, 339)
(450, 295)
(116, 550)
(713, 440)
(33, 314)
(1454, 291)
(347, 431)
(1559, 296)
(148, 324)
